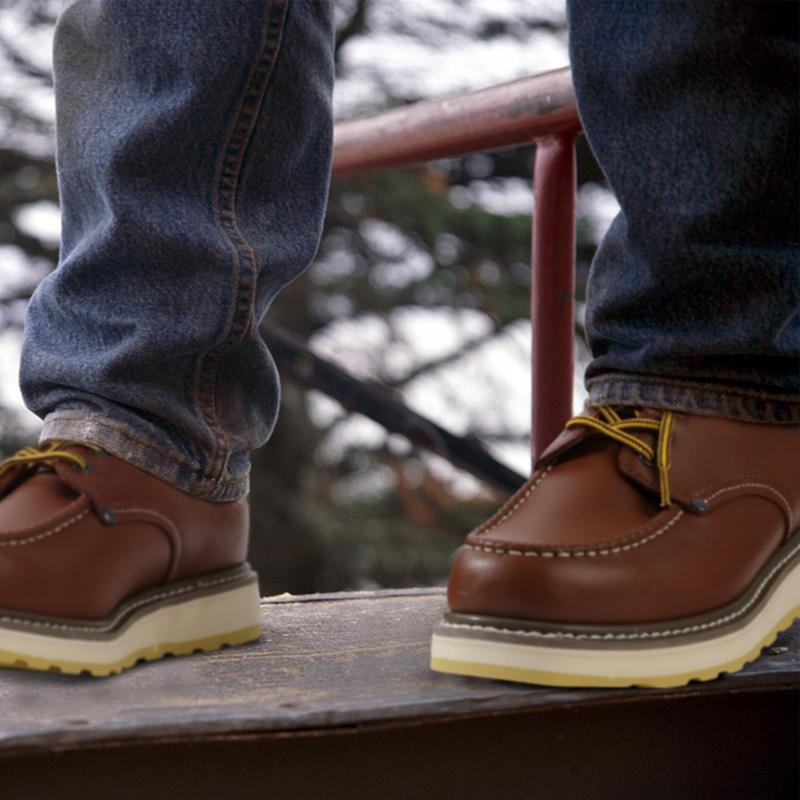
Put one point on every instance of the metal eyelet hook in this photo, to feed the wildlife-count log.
(698, 505)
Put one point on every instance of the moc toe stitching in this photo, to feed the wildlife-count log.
(756, 595)
(642, 534)
(601, 549)
(716, 582)
(46, 534)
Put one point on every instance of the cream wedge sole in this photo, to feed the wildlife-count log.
(201, 615)
(659, 657)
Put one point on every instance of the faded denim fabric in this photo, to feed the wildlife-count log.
(193, 152)
(194, 143)
(694, 295)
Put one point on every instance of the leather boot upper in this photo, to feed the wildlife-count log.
(78, 536)
(589, 538)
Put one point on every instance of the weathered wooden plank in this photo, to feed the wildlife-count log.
(325, 662)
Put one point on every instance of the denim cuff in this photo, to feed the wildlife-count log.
(119, 440)
(705, 399)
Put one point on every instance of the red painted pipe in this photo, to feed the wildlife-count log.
(552, 288)
(506, 115)
(540, 108)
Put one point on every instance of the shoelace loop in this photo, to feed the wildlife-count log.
(47, 455)
(622, 431)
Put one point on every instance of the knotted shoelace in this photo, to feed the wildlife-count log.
(47, 455)
(622, 430)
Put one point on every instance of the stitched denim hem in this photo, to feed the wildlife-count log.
(119, 440)
(705, 399)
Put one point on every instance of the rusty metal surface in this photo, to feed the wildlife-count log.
(552, 289)
(506, 115)
(324, 662)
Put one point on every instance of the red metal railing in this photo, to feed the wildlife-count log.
(539, 110)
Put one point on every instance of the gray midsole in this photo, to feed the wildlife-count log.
(131, 609)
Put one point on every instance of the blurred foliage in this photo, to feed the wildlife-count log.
(376, 514)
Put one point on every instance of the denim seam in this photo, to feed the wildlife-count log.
(694, 397)
(103, 422)
(226, 184)
(711, 388)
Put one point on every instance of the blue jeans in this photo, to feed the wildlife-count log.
(694, 295)
(193, 155)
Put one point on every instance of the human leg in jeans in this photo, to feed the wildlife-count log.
(658, 539)
(193, 155)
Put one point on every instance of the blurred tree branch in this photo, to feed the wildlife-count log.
(24, 64)
(356, 23)
(450, 358)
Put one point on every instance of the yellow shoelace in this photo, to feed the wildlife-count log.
(46, 455)
(620, 430)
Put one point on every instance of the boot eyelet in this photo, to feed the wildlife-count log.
(698, 505)
(646, 461)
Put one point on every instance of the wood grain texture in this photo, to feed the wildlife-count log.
(324, 662)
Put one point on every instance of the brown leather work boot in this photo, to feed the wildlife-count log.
(103, 565)
(649, 548)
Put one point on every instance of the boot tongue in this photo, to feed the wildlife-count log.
(645, 474)
(570, 437)
(30, 499)
(565, 441)
(11, 478)
(573, 442)
(16, 474)
(33, 492)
